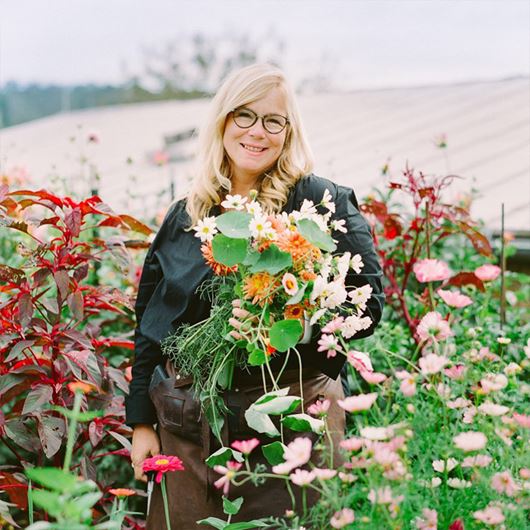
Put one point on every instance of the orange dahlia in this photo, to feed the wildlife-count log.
(300, 248)
(294, 311)
(260, 287)
(218, 268)
(307, 275)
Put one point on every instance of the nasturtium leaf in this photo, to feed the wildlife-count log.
(303, 423)
(257, 358)
(273, 452)
(232, 507)
(234, 224)
(279, 405)
(311, 231)
(272, 260)
(285, 334)
(272, 395)
(260, 422)
(228, 251)
(222, 456)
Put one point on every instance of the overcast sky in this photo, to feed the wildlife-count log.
(362, 43)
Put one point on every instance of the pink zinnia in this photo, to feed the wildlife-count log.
(319, 408)
(487, 272)
(296, 454)
(432, 363)
(357, 403)
(431, 270)
(433, 327)
(301, 477)
(470, 441)
(229, 472)
(454, 298)
(162, 464)
(456, 372)
(334, 325)
(343, 518)
(245, 446)
(504, 483)
(329, 344)
(491, 515)
(373, 378)
(359, 360)
(351, 444)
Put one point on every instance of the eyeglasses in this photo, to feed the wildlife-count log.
(246, 118)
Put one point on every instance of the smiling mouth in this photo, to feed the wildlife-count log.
(252, 149)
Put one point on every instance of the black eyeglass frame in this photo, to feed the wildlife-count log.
(256, 117)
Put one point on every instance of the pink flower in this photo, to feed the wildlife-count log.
(456, 372)
(522, 419)
(524, 473)
(433, 327)
(491, 515)
(431, 270)
(333, 326)
(324, 474)
(487, 272)
(245, 446)
(373, 378)
(328, 343)
(290, 284)
(429, 520)
(296, 454)
(319, 408)
(359, 360)
(162, 464)
(358, 403)
(351, 444)
(343, 518)
(432, 363)
(229, 472)
(470, 441)
(408, 386)
(477, 461)
(381, 495)
(492, 409)
(493, 382)
(454, 298)
(504, 483)
(301, 477)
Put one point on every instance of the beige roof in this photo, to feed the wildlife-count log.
(487, 126)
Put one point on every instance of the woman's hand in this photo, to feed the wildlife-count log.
(145, 443)
(242, 320)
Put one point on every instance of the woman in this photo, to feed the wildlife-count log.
(253, 139)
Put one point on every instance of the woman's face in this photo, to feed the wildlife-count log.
(247, 164)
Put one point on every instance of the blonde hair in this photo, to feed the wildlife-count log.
(212, 179)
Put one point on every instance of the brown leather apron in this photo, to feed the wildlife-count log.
(191, 493)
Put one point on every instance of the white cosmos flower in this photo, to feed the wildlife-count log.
(327, 202)
(360, 296)
(353, 324)
(326, 267)
(307, 209)
(357, 263)
(319, 288)
(254, 208)
(339, 225)
(205, 229)
(234, 201)
(258, 225)
(343, 265)
(335, 295)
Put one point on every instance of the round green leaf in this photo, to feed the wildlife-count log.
(285, 334)
(228, 251)
(234, 224)
(311, 231)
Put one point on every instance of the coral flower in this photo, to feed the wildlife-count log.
(218, 268)
(454, 298)
(162, 464)
(299, 248)
(122, 492)
(431, 270)
(487, 272)
(260, 288)
(245, 446)
(470, 441)
(79, 386)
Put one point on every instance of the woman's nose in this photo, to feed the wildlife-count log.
(257, 129)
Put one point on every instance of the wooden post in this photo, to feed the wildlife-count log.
(503, 271)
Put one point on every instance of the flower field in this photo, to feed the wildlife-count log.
(438, 420)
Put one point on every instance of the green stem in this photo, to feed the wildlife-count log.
(166, 506)
(72, 425)
(30, 502)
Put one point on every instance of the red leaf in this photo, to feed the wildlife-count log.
(95, 432)
(135, 225)
(41, 194)
(81, 272)
(15, 490)
(63, 281)
(73, 221)
(25, 309)
(51, 431)
(36, 398)
(75, 303)
(466, 278)
(9, 274)
(478, 240)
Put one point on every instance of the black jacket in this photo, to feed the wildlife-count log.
(174, 267)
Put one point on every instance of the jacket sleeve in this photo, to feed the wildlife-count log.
(147, 354)
(357, 240)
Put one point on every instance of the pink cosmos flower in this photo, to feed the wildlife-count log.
(477, 461)
(381, 495)
(296, 454)
(504, 483)
(328, 343)
(319, 408)
(229, 472)
(324, 474)
(522, 419)
(162, 464)
(493, 382)
(343, 518)
(433, 327)
(373, 378)
(470, 441)
(488, 272)
(431, 270)
(333, 326)
(347, 477)
(359, 360)
(351, 444)
(358, 403)
(376, 433)
(524, 473)
(245, 446)
(491, 515)
(492, 409)
(459, 403)
(454, 298)
(301, 477)
(290, 284)
(432, 363)
(456, 372)
(429, 520)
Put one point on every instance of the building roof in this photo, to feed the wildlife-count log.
(353, 135)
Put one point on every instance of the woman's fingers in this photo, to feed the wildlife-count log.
(240, 313)
(236, 335)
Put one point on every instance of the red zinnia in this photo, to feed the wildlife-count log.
(162, 464)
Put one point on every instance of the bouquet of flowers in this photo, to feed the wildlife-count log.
(282, 271)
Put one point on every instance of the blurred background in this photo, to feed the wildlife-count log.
(107, 97)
